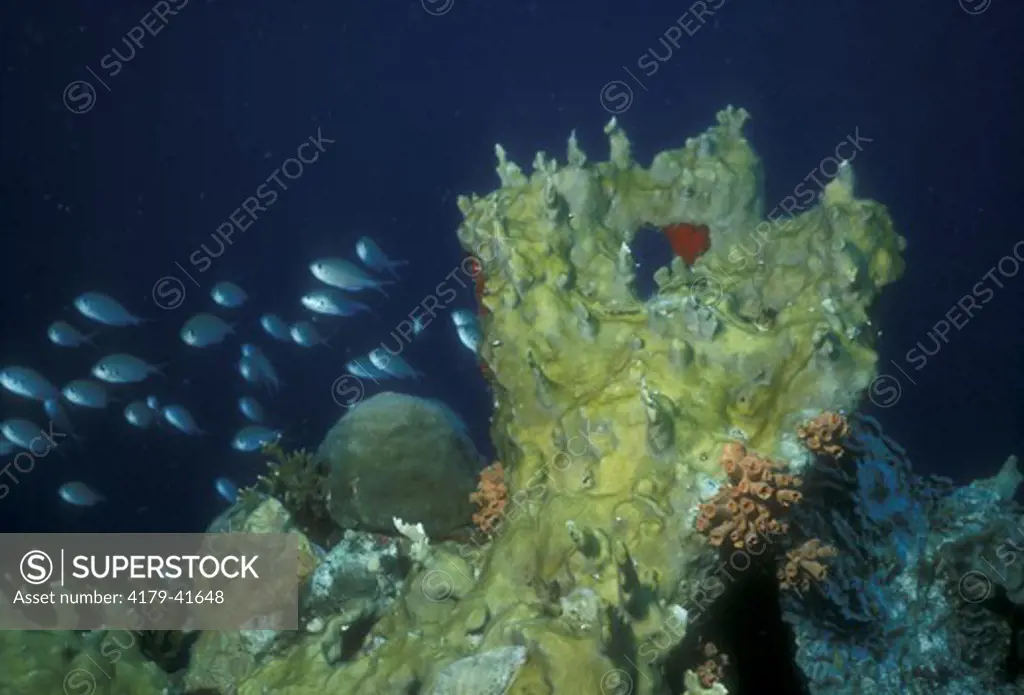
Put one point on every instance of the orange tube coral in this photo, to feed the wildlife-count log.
(824, 434)
(746, 508)
(492, 496)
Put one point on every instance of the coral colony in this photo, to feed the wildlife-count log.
(668, 470)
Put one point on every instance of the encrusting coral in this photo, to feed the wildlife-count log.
(906, 601)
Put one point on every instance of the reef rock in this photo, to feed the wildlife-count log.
(400, 456)
(611, 412)
(484, 674)
(103, 662)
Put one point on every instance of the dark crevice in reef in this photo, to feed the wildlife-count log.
(745, 624)
(1001, 605)
(168, 649)
(1015, 656)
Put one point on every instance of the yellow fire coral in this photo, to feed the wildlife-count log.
(609, 409)
(748, 507)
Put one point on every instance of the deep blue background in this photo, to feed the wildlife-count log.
(113, 198)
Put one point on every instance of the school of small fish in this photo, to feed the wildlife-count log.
(203, 330)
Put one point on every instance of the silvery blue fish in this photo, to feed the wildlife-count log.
(275, 327)
(333, 303)
(393, 365)
(364, 369)
(470, 336)
(55, 411)
(251, 409)
(228, 295)
(463, 317)
(305, 334)
(267, 373)
(79, 494)
(86, 394)
(247, 368)
(337, 272)
(28, 383)
(139, 414)
(120, 368)
(106, 310)
(178, 417)
(64, 334)
(257, 368)
(22, 433)
(153, 402)
(467, 326)
(258, 357)
(227, 489)
(370, 254)
(204, 330)
(254, 437)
